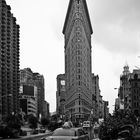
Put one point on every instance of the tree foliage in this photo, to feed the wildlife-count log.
(33, 121)
(13, 121)
(45, 121)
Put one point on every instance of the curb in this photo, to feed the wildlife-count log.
(34, 136)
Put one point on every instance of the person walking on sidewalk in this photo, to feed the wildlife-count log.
(96, 130)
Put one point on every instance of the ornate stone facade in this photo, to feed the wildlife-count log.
(77, 31)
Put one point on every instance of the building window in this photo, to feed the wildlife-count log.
(79, 83)
(77, 47)
(79, 77)
(135, 104)
(79, 109)
(78, 39)
(135, 76)
(79, 71)
(136, 84)
(134, 97)
(79, 58)
(79, 96)
(78, 64)
(78, 52)
(78, 28)
(77, 34)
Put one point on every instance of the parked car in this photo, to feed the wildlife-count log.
(68, 134)
(42, 130)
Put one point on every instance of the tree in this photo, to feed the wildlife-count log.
(45, 122)
(32, 121)
(11, 126)
(13, 121)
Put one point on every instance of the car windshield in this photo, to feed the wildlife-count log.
(64, 132)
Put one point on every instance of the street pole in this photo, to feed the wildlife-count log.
(91, 113)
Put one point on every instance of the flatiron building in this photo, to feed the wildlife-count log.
(77, 32)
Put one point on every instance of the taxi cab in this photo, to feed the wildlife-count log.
(68, 133)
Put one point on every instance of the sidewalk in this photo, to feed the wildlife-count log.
(31, 137)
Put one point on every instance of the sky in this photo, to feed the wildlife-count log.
(115, 40)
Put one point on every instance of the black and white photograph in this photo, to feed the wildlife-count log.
(70, 69)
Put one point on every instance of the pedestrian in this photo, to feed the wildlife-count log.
(68, 124)
(96, 130)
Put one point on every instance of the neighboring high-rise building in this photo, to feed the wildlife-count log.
(60, 94)
(106, 110)
(101, 107)
(46, 110)
(77, 31)
(9, 61)
(134, 101)
(117, 104)
(124, 89)
(28, 92)
(129, 97)
(96, 96)
(28, 100)
(27, 77)
(124, 83)
(39, 82)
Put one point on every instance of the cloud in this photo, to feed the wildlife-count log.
(116, 25)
